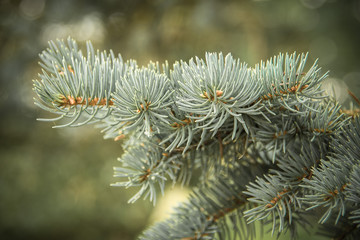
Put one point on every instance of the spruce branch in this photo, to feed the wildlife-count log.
(146, 166)
(274, 198)
(216, 89)
(210, 209)
(73, 85)
(266, 142)
(353, 194)
(286, 84)
(141, 100)
(328, 184)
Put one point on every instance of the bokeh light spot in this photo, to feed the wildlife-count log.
(336, 88)
(90, 27)
(312, 4)
(32, 9)
(325, 49)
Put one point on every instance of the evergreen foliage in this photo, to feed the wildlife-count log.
(270, 145)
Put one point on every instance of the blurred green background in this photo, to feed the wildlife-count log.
(54, 183)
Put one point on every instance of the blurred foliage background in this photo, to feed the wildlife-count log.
(54, 183)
